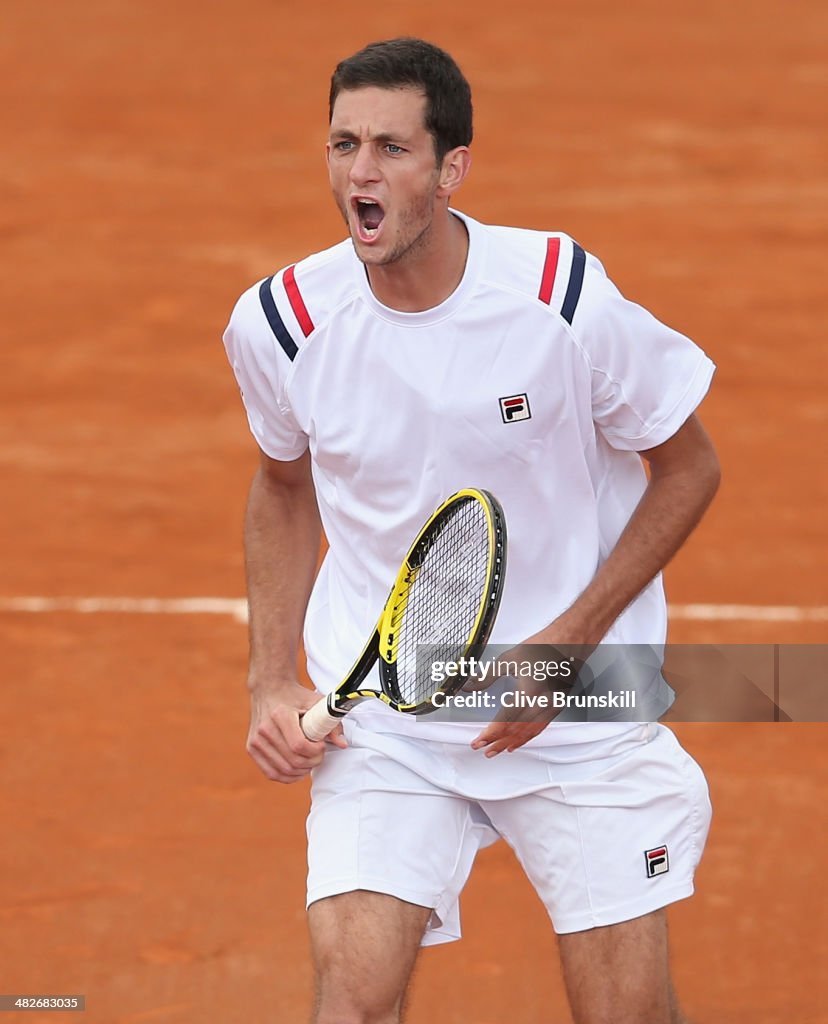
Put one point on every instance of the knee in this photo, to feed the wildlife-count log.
(368, 988)
(341, 1008)
(343, 999)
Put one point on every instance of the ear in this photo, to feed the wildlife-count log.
(456, 165)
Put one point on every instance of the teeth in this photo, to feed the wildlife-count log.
(366, 232)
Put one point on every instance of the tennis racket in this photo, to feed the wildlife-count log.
(446, 595)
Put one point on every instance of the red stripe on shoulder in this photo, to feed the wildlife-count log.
(550, 266)
(296, 303)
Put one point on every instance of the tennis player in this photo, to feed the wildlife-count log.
(426, 353)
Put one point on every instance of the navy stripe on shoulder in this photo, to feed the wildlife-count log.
(277, 324)
(576, 281)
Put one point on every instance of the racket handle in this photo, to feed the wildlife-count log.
(318, 721)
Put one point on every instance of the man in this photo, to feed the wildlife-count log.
(374, 377)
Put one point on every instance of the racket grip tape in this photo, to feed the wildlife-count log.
(318, 721)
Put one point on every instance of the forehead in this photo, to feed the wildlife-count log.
(379, 111)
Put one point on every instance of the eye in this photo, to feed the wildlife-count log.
(343, 146)
(394, 149)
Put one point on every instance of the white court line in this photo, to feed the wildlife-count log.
(748, 612)
(236, 608)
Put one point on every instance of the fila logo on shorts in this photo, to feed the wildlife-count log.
(514, 408)
(658, 861)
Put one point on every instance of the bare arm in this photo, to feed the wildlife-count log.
(684, 477)
(281, 543)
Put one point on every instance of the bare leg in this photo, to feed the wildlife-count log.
(364, 947)
(621, 974)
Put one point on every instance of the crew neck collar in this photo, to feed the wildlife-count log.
(449, 305)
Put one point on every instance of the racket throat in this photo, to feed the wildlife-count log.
(338, 705)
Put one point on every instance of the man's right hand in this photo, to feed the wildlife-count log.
(275, 739)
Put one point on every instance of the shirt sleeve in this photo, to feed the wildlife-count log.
(261, 368)
(647, 379)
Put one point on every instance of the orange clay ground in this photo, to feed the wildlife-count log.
(157, 159)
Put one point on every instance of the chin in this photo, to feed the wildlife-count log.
(367, 254)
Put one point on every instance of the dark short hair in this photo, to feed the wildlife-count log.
(397, 63)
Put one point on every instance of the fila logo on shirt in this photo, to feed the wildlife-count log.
(658, 861)
(514, 408)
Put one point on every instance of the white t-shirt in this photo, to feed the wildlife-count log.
(536, 380)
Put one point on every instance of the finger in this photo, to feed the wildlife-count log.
(287, 722)
(276, 769)
(493, 734)
(283, 755)
(513, 719)
(474, 683)
(529, 732)
(337, 738)
(506, 736)
(285, 731)
(276, 747)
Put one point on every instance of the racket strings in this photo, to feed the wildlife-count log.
(444, 600)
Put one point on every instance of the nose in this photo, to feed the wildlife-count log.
(364, 167)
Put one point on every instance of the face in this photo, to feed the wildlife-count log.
(383, 172)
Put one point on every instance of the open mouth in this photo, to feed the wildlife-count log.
(369, 218)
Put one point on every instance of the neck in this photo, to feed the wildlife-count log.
(429, 272)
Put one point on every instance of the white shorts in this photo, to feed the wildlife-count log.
(600, 847)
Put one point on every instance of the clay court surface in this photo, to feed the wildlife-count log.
(159, 158)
